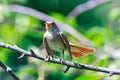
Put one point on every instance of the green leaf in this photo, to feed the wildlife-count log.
(88, 77)
(103, 62)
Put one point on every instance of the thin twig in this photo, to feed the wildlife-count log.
(44, 17)
(66, 70)
(9, 70)
(57, 61)
(85, 7)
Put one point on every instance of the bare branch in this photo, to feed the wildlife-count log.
(85, 7)
(66, 70)
(57, 61)
(22, 55)
(9, 70)
(44, 17)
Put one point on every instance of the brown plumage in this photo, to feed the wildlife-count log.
(80, 51)
(55, 40)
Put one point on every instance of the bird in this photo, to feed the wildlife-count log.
(55, 40)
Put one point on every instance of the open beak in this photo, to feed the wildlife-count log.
(48, 25)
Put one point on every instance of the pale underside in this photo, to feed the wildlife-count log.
(54, 42)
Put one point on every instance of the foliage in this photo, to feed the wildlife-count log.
(100, 25)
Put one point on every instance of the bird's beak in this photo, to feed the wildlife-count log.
(48, 25)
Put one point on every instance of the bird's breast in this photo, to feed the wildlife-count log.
(55, 43)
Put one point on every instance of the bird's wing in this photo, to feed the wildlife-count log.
(66, 42)
(49, 51)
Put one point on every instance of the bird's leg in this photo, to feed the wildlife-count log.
(69, 50)
(70, 56)
(48, 58)
(62, 59)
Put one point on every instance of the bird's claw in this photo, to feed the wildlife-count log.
(61, 60)
(48, 58)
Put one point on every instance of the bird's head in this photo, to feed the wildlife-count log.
(50, 25)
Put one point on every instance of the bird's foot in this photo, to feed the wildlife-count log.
(48, 58)
(62, 61)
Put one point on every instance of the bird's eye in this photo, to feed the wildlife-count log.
(53, 23)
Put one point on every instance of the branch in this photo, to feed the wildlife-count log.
(85, 7)
(57, 61)
(45, 17)
(9, 70)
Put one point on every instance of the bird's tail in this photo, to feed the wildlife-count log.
(79, 51)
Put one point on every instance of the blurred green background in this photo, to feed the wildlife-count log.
(100, 25)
